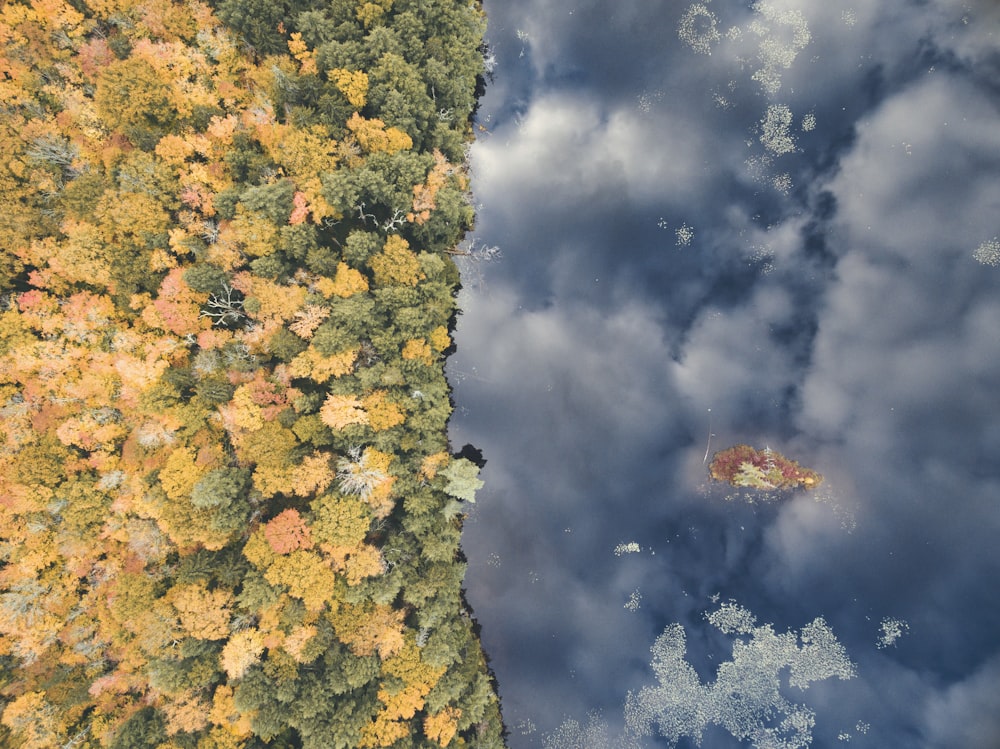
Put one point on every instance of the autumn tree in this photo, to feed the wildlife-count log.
(744, 466)
(224, 303)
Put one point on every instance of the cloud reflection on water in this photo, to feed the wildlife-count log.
(843, 320)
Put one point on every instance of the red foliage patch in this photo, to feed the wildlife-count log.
(287, 532)
(745, 466)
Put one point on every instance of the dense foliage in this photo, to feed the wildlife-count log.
(229, 514)
(745, 466)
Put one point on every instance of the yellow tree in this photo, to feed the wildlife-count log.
(417, 349)
(83, 257)
(439, 339)
(369, 628)
(270, 299)
(384, 731)
(310, 363)
(307, 576)
(35, 721)
(339, 522)
(305, 153)
(298, 640)
(396, 264)
(345, 283)
(442, 726)
(383, 413)
(308, 319)
(340, 411)
(232, 725)
(204, 614)
(373, 13)
(311, 476)
(373, 136)
(410, 680)
(364, 561)
(241, 652)
(270, 450)
(186, 713)
(301, 52)
(353, 84)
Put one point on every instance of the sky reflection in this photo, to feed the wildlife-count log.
(683, 258)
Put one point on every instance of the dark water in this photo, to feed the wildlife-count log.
(789, 242)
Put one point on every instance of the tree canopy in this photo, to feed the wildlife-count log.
(229, 513)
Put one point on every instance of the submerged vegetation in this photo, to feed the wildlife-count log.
(229, 511)
(749, 698)
(746, 696)
(746, 467)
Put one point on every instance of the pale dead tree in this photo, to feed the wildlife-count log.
(78, 739)
(392, 223)
(240, 353)
(472, 259)
(489, 58)
(362, 215)
(284, 81)
(59, 152)
(481, 254)
(356, 475)
(210, 231)
(394, 556)
(224, 309)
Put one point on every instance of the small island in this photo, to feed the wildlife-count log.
(745, 466)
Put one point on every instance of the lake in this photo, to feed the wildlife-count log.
(719, 224)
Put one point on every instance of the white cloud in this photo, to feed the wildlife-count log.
(908, 326)
(923, 172)
(610, 368)
(901, 387)
(971, 28)
(566, 148)
(806, 535)
(730, 357)
(966, 713)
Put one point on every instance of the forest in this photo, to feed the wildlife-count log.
(230, 514)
